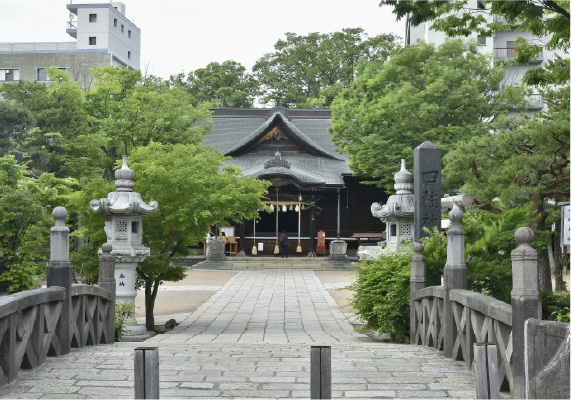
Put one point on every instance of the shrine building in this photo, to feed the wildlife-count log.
(313, 189)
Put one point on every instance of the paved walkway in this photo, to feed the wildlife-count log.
(252, 339)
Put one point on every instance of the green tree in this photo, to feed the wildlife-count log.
(444, 95)
(224, 85)
(523, 164)
(59, 141)
(15, 121)
(309, 71)
(548, 20)
(194, 191)
(126, 115)
(25, 221)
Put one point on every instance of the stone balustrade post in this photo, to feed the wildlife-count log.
(417, 282)
(455, 276)
(59, 274)
(526, 302)
(107, 282)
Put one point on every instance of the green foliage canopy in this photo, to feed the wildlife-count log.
(547, 20)
(444, 95)
(523, 163)
(309, 71)
(224, 85)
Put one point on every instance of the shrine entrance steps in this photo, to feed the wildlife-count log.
(258, 263)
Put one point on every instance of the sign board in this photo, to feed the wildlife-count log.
(565, 227)
(427, 190)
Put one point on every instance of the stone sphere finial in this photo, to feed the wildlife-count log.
(418, 248)
(524, 236)
(106, 248)
(59, 213)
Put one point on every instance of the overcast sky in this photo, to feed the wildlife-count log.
(183, 35)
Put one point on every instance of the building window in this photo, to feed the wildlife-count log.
(134, 226)
(122, 28)
(482, 40)
(129, 33)
(129, 55)
(115, 22)
(9, 75)
(42, 74)
(92, 17)
(511, 51)
(92, 40)
(481, 5)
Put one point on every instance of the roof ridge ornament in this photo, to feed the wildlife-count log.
(278, 109)
(277, 161)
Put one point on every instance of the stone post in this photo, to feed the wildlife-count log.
(417, 282)
(107, 282)
(526, 302)
(217, 250)
(242, 252)
(59, 274)
(455, 276)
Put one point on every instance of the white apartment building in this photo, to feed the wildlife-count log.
(502, 47)
(104, 37)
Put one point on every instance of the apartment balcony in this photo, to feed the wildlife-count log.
(502, 19)
(534, 102)
(509, 54)
(72, 29)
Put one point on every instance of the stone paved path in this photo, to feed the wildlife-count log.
(252, 339)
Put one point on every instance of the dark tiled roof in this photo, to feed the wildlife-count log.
(235, 130)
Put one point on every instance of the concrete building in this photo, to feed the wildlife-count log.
(104, 36)
(501, 46)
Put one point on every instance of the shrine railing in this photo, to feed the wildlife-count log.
(452, 319)
(50, 321)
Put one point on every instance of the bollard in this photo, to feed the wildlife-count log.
(320, 380)
(147, 373)
(486, 371)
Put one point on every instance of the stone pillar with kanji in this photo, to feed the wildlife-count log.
(124, 209)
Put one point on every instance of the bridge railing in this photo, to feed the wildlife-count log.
(50, 321)
(452, 319)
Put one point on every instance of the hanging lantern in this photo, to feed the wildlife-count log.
(272, 207)
(297, 208)
(284, 208)
(291, 207)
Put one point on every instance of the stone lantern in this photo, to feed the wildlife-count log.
(398, 213)
(124, 229)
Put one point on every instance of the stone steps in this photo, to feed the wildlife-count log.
(249, 263)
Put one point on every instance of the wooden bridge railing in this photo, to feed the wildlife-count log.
(45, 322)
(452, 319)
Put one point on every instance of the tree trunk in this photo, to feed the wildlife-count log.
(150, 297)
(556, 266)
(544, 275)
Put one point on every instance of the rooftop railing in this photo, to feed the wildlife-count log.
(38, 46)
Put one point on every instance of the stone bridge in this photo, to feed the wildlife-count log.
(253, 337)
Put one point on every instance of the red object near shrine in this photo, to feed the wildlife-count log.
(320, 242)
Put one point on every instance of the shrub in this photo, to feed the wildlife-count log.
(23, 276)
(123, 311)
(382, 295)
